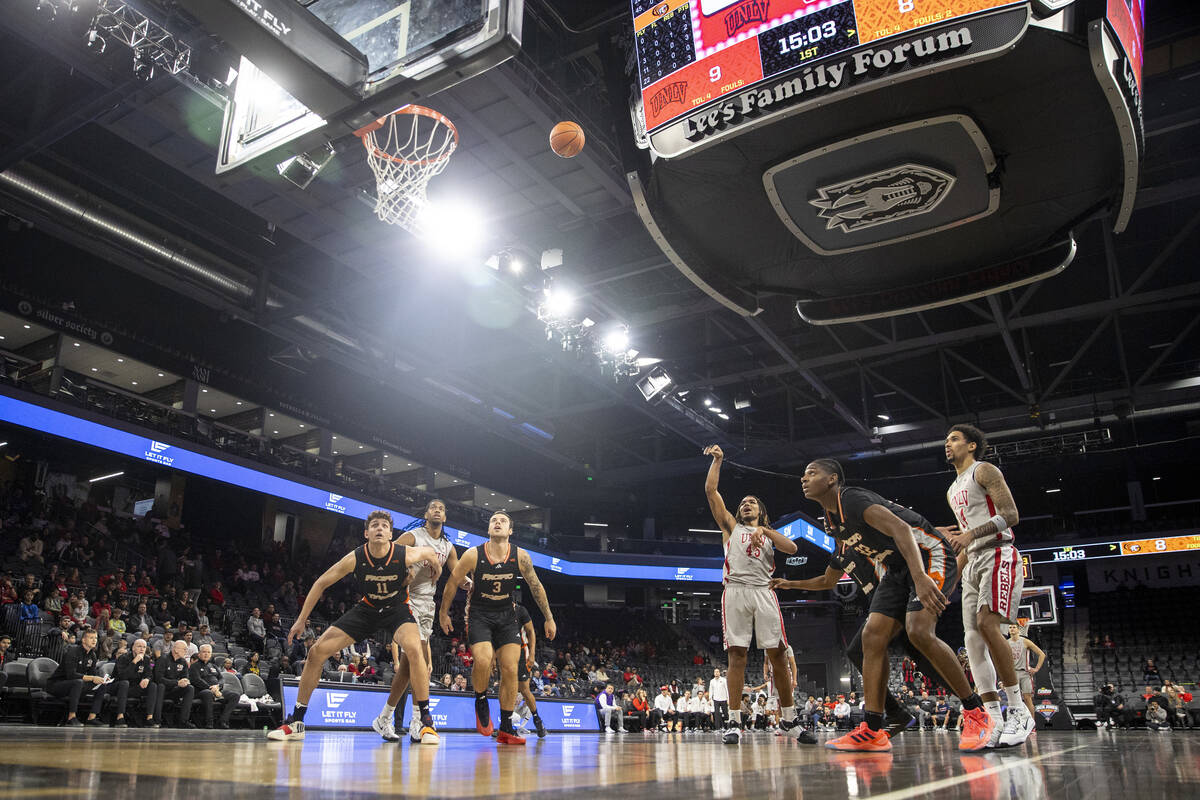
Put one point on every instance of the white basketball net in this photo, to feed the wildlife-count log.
(410, 147)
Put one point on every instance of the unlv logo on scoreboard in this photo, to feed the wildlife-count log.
(747, 13)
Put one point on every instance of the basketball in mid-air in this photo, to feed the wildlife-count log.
(566, 139)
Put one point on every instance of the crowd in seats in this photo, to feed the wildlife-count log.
(1146, 663)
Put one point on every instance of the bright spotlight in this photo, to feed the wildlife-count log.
(617, 339)
(451, 229)
(559, 302)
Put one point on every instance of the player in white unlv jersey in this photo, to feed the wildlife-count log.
(1021, 648)
(421, 588)
(992, 578)
(749, 609)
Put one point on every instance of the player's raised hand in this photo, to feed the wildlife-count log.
(551, 629)
(715, 451)
(296, 630)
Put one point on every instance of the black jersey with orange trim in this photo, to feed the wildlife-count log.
(381, 580)
(848, 526)
(859, 568)
(494, 581)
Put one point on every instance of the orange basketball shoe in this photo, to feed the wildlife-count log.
(862, 739)
(977, 729)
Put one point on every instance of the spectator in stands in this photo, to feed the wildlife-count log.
(135, 678)
(204, 675)
(257, 630)
(8, 592)
(446, 682)
(30, 584)
(117, 624)
(172, 674)
(252, 666)
(460, 683)
(28, 610)
(192, 648)
(163, 614)
(77, 674)
(639, 708)
(841, 714)
(1102, 704)
(907, 670)
(79, 611)
(1156, 717)
(141, 622)
(53, 604)
(663, 712)
(1150, 673)
(30, 548)
(683, 711)
(610, 709)
(5, 643)
(941, 714)
(146, 587)
(550, 674)
(227, 666)
(102, 606)
(1108, 643)
(216, 594)
(203, 637)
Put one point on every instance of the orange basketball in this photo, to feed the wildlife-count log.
(566, 139)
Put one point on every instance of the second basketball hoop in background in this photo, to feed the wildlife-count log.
(566, 139)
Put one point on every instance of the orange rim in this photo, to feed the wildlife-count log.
(373, 150)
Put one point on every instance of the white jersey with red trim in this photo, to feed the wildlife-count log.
(747, 563)
(972, 507)
(1020, 653)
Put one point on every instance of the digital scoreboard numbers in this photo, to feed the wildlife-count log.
(693, 52)
(817, 35)
(1167, 544)
(664, 39)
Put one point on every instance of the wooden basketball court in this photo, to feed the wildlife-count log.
(55, 762)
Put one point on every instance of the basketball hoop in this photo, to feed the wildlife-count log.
(406, 149)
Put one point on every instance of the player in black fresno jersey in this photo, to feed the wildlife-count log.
(380, 569)
(920, 571)
(492, 629)
(867, 574)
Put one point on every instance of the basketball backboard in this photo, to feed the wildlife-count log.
(1038, 605)
(412, 48)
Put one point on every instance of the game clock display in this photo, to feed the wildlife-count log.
(692, 52)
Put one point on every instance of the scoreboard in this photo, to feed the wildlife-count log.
(1115, 549)
(692, 52)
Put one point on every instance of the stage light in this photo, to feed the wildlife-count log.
(884, 417)
(558, 303)
(552, 258)
(302, 169)
(452, 229)
(708, 401)
(616, 340)
(716, 409)
(723, 416)
(654, 384)
(143, 65)
(95, 42)
(105, 477)
(588, 322)
(740, 403)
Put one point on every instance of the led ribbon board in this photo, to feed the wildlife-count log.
(167, 454)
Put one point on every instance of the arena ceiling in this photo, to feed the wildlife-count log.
(312, 278)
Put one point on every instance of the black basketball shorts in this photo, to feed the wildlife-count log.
(896, 596)
(362, 620)
(496, 626)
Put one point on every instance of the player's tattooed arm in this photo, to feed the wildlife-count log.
(525, 563)
(992, 480)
